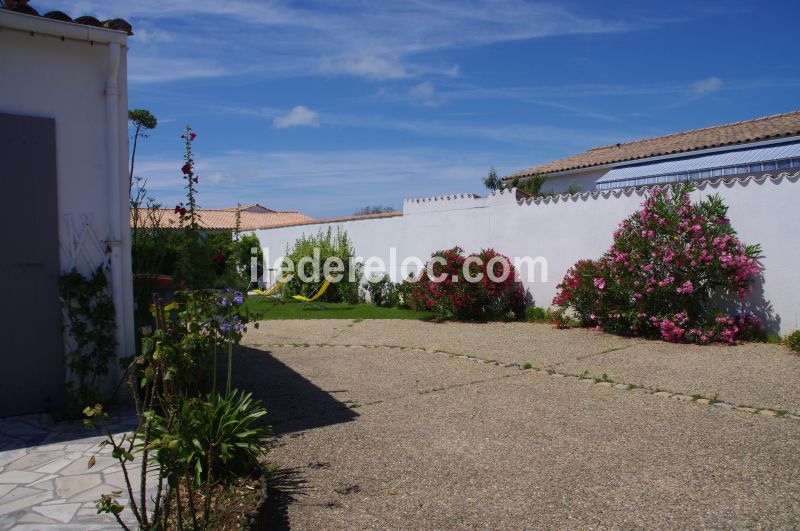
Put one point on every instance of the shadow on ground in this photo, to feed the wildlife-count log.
(285, 485)
(37, 430)
(293, 403)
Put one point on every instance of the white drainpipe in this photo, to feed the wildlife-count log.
(114, 240)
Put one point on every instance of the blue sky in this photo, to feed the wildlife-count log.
(326, 107)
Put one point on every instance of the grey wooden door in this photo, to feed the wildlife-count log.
(31, 347)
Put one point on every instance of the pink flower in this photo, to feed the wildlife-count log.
(600, 283)
(686, 288)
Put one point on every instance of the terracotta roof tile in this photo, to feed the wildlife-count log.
(355, 217)
(226, 219)
(21, 6)
(769, 127)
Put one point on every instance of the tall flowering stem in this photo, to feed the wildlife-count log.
(229, 325)
(191, 179)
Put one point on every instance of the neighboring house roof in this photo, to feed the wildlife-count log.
(354, 217)
(251, 208)
(221, 219)
(21, 6)
(767, 128)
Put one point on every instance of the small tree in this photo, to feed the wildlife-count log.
(531, 185)
(492, 181)
(142, 120)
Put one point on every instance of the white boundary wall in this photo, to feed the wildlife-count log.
(565, 229)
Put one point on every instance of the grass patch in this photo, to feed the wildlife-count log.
(261, 308)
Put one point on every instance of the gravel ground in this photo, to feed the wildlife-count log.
(757, 375)
(391, 438)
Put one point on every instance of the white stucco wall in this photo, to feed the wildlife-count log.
(565, 229)
(61, 70)
(586, 180)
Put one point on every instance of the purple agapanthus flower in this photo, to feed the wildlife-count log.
(229, 297)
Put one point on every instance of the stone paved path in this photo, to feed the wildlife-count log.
(45, 482)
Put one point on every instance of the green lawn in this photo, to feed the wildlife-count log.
(260, 308)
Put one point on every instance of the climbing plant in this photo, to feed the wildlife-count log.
(89, 313)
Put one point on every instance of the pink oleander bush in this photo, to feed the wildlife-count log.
(667, 263)
(456, 296)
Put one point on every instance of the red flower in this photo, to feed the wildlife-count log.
(177, 208)
(192, 136)
(183, 136)
(187, 169)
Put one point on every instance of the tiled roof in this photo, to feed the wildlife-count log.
(355, 217)
(767, 128)
(21, 6)
(225, 219)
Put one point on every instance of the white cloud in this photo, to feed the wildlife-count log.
(424, 93)
(364, 66)
(297, 117)
(705, 86)
(145, 69)
(374, 40)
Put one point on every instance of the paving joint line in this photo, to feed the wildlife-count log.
(584, 377)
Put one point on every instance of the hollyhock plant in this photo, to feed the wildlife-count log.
(189, 176)
(658, 278)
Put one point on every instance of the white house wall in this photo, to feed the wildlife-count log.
(45, 76)
(565, 229)
(586, 180)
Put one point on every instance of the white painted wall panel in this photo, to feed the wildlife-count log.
(43, 75)
(564, 230)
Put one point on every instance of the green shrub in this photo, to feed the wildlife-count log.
(242, 255)
(455, 295)
(218, 437)
(310, 252)
(383, 292)
(534, 314)
(667, 263)
(793, 340)
(404, 293)
(190, 436)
